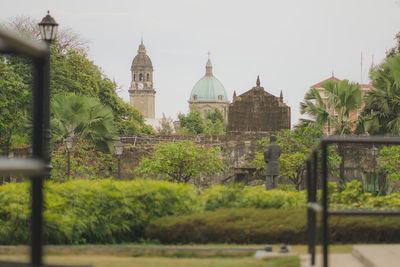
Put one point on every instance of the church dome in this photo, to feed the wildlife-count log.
(208, 87)
(141, 60)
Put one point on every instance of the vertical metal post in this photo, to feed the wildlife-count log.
(39, 149)
(325, 235)
(69, 164)
(314, 199)
(119, 167)
(309, 211)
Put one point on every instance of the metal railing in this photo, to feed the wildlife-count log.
(317, 170)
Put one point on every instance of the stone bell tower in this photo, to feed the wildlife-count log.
(141, 92)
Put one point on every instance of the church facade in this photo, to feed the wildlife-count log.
(209, 94)
(141, 91)
(258, 111)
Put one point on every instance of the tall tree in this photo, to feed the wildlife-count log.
(14, 97)
(180, 161)
(83, 117)
(381, 114)
(343, 98)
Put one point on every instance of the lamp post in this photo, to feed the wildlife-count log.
(48, 28)
(42, 83)
(48, 31)
(69, 143)
(118, 149)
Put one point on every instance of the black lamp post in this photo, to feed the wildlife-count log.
(41, 137)
(48, 31)
(48, 28)
(118, 149)
(69, 142)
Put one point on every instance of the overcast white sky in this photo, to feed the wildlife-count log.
(291, 44)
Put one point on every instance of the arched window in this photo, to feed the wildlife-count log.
(141, 77)
(148, 77)
(134, 77)
(194, 97)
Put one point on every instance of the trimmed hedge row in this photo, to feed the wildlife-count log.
(249, 225)
(84, 211)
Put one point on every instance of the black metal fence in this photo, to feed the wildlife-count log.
(317, 170)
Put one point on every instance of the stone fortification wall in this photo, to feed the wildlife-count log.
(239, 149)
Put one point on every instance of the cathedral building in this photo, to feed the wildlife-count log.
(141, 92)
(209, 94)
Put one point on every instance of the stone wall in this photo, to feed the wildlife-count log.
(239, 149)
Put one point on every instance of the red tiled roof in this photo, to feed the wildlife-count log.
(366, 86)
(332, 78)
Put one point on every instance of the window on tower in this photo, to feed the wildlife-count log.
(141, 77)
(148, 77)
(134, 77)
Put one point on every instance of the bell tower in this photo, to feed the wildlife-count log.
(141, 91)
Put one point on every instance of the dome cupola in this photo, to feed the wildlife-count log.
(141, 60)
(208, 87)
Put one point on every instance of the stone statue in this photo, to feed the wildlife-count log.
(271, 156)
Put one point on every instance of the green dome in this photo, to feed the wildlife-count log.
(208, 87)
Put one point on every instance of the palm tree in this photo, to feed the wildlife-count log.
(83, 117)
(343, 98)
(381, 115)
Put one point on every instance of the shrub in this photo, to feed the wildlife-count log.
(220, 196)
(86, 211)
(249, 225)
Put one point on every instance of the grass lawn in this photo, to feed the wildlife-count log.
(111, 261)
(96, 256)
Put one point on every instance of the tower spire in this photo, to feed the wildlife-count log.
(281, 97)
(209, 66)
(258, 81)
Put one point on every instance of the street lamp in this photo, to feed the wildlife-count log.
(118, 149)
(69, 142)
(48, 28)
(48, 31)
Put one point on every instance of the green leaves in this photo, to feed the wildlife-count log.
(382, 103)
(180, 161)
(193, 123)
(83, 117)
(342, 99)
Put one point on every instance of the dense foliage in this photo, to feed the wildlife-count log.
(194, 123)
(260, 226)
(71, 71)
(342, 98)
(14, 101)
(389, 162)
(85, 211)
(82, 117)
(381, 114)
(86, 162)
(180, 161)
(108, 211)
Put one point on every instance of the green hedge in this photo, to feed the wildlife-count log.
(109, 211)
(84, 211)
(249, 225)
(237, 196)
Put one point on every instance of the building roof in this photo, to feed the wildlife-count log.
(141, 60)
(208, 87)
(332, 78)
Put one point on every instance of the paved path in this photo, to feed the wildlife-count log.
(335, 260)
(363, 255)
(378, 255)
